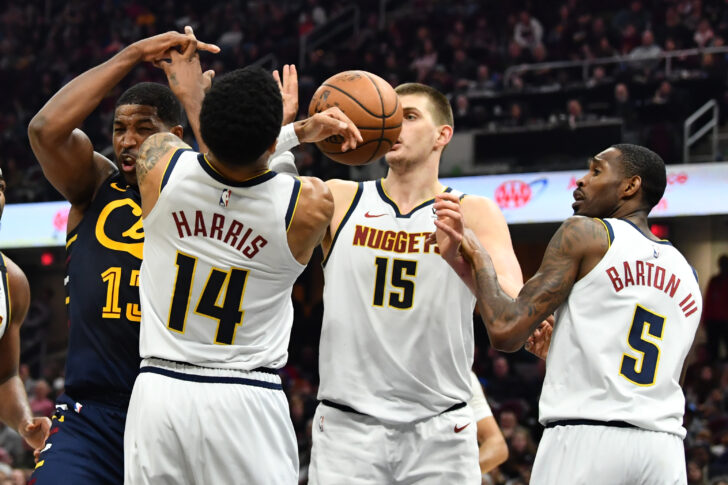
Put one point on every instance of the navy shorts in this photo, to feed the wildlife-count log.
(86, 445)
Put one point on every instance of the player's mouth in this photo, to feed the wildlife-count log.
(128, 162)
(578, 198)
(396, 145)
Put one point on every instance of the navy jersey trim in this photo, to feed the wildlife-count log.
(210, 379)
(170, 166)
(661, 241)
(608, 227)
(695, 273)
(397, 213)
(6, 287)
(293, 203)
(352, 206)
(259, 179)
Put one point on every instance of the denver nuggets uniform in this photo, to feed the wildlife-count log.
(396, 345)
(4, 297)
(616, 354)
(216, 319)
(102, 276)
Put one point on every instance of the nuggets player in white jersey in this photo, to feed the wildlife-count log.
(397, 337)
(627, 306)
(225, 238)
(14, 302)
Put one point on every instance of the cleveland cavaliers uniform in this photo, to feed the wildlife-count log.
(102, 297)
(611, 398)
(208, 406)
(396, 343)
(4, 296)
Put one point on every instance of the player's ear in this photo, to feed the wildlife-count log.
(633, 185)
(444, 136)
(178, 131)
(272, 149)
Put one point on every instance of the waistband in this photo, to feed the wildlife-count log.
(589, 422)
(348, 409)
(260, 377)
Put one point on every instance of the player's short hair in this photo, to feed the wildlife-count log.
(441, 111)
(241, 115)
(637, 160)
(157, 95)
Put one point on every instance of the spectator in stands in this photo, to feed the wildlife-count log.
(463, 115)
(12, 442)
(40, 404)
(715, 310)
(528, 32)
(704, 34)
(674, 29)
(648, 51)
(635, 15)
(629, 39)
(623, 107)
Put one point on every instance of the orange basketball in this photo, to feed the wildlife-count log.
(371, 103)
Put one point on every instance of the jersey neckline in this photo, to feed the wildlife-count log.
(386, 198)
(258, 179)
(661, 241)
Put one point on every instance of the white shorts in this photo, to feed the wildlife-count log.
(587, 454)
(192, 425)
(354, 449)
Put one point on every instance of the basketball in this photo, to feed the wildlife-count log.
(371, 104)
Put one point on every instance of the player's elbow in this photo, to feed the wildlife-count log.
(504, 341)
(37, 128)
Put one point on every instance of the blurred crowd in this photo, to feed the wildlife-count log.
(470, 50)
(462, 47)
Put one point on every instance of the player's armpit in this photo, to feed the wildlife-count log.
(343, 192)
(485, 219)
(509, 321)
(311, 218)
(153, 150)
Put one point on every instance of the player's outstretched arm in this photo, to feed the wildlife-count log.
(156, 148)
(187, 81)
(493, 449)
(65, 152)
(311, 218)
(14, 407)
(509, 321)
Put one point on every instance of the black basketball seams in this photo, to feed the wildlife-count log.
(355, 100)
(381, 101)
(378, 127)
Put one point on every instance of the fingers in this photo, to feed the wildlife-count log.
(443, 213)
(447, 196)
(207, 78)
(277, 79)
(193, 45)
(447, 229)
(290, 79)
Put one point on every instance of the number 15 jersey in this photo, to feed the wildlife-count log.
(397, 336)
(217, 271)
(621, 337)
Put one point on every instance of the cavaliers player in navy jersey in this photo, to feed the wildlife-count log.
(104, 244)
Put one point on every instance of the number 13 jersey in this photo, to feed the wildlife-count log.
(217, 271)
(397, 336)
(622, 335)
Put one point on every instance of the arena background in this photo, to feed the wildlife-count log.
(536, 87)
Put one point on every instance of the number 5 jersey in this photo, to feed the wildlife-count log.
(622, 335)
(217, 272)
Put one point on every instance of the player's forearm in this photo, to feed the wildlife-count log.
(14, 407)
(506, 319)
(70, 106)
(192, 105)
(492, 453)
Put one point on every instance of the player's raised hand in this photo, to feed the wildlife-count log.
(184, 72)
(159, 47)
(35, 432)
(540, 340)
(289, 92)
(330, 122)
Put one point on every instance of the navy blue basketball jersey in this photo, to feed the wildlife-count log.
(102, 295)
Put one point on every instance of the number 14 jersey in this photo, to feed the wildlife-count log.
(217, 271)
(622, 335)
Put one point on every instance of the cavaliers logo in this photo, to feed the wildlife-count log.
(135, 232)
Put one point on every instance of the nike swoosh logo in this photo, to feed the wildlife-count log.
(459, 429)
(373, 215)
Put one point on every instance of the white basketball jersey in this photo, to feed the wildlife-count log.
(4, 296)
(621, 337)
(397, 336)
(217, 271)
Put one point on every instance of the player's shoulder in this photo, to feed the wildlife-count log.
(478, 203)
(341, 187)
(18, 289)
(585, 233)
(316, 192)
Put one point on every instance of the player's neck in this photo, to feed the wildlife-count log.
(409, 188)
(238, 174)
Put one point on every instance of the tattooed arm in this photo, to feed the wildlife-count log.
(573, 251)
(157, 148)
